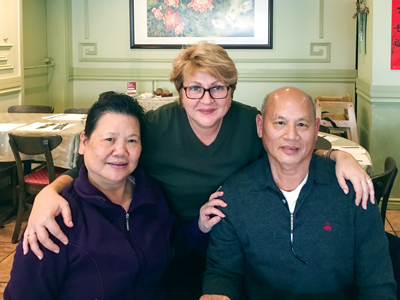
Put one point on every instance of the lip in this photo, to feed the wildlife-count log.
(117, 165)
(289, 149)
(207, 111)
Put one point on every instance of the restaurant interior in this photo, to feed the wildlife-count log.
(64, 53)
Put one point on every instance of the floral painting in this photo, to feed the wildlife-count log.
(173, 23)
(200, 18)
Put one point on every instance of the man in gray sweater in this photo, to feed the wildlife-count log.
(290, 232)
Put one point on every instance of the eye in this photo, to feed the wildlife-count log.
(132, 141)
(109, 139)
(195, 88)
(280, 123)
(218, 88)
(302, 125)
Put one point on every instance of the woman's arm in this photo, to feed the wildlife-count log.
(47, 205)
(347, 168)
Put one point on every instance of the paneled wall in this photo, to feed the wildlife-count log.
(10, 53)
(311, 50)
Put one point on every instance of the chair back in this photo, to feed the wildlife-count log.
(76, 111)
(383, 184)
(31, 109)
(34, 145)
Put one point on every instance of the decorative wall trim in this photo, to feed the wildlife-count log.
(6, 57)
(321, 18)
(10, 85)
(378, 93)
(245, 75)
(86, 9)
(316, 49)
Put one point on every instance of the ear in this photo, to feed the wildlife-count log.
(317, 123)
(260, 123)
(82, 143)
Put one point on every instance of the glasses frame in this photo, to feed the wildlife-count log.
(209, 92)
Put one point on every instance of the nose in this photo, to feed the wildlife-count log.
(207, 99)
(120, 149)
(291, 132)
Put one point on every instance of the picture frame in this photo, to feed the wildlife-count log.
(232, 24)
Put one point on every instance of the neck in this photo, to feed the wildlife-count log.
(288, 178)
(120, 193)
(206, 135)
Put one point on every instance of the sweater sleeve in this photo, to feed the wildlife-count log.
(374, 271)
(34, 279)
(224, 273)
(73, 173)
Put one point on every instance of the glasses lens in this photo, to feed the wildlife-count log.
(219, 92)
(194, 92)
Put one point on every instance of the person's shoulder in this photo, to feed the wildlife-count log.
(244, 109)
(248, 176)
(163, 113)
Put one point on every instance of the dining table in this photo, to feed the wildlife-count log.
(68, 126)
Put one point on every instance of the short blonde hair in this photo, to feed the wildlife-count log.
(205, 57)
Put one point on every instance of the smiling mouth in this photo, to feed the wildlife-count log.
(118, 164)
(290, 148)
(206, 111)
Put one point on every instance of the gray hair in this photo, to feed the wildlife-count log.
(264, 104)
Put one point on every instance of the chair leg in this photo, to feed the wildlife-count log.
(20, 213)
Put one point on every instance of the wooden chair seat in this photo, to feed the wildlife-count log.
(40, 177)
(76, 111)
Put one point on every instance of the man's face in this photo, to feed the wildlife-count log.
(289, 129)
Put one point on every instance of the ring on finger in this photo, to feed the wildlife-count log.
(369, 180)
(32, 233)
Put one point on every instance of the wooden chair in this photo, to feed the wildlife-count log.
(38, 177)
(383, 184)
(344, 121)
(76, 111)
(31, 109)
(324, 129)
(8, 170)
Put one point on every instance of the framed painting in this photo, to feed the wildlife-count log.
(174, 23)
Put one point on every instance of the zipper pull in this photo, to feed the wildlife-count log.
(291, 227)
(127, 221)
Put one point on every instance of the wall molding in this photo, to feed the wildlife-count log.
(378, 93)
(323, 50)
(245, 75)
(321, 18)
(10, 85)
(6, 56)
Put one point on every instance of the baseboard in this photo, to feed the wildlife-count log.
(394, 204)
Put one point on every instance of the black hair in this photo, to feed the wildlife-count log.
(111, 102)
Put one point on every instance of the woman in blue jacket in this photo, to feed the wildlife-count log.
(120, 245)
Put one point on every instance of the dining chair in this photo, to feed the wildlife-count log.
(383, 184)
(324, 129)
(8, 170)
(34, 181)
(31, 109)
(76, 111)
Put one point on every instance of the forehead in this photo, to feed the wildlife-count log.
(110, 119)
(200, 76)
(289, 105)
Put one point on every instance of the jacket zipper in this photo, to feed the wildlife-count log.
(136, 249)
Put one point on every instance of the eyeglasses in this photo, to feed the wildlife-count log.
(197, 92)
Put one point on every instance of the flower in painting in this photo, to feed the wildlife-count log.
(201, 5)
(179, 28)
(171, 19)
(218, 24)
(157, 13)
(173, 3)
(246, 6)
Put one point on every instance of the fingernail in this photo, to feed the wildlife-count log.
(70, 223)
(56, 251)
(40, 257)
(65, 242)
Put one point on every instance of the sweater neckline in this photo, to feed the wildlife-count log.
(224, 130)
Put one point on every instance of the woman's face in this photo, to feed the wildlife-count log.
(205, 113)
(113, 150)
